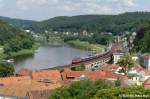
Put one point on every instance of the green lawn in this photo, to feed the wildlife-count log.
(86, 45)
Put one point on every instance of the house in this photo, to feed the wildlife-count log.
(27, 31)
(115, 68)
(43, 94)
(147, 61)
(134, 79)
(135, 75)
(39, 82)
(24, 72)
(92, 75)
(110, 67)
(10, 80)
(47, 75)
(147, 83)
(111, 75)
(117, 56)
(21, 88)
(84, 33)
(144, 75)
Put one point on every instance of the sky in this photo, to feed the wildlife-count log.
(45, 9)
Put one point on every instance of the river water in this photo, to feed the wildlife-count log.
(48, 56)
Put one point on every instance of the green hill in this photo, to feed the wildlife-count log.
(17, 22)
(129, 21)
(93, 23)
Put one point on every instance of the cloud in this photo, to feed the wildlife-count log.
(97, 6)
(72, 5)
(28, 4)
(1, 3)
(51, 8)
(127, 3)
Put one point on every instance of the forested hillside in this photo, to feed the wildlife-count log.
(94, 23)
(13, 40)
(17, 22)
(130, 21)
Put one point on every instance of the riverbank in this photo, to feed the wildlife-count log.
(20, 53)
(86, 45)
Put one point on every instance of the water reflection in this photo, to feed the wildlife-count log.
(49, 56)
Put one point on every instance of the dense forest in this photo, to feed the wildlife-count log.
(13, 40)
(129, 21)
(116, 24)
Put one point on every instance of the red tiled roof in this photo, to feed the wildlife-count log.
(21, 88)
(147, 72)
(147, 82)
(93, 75)
(24, 72)
(114, 75)
(10, 80)
(109, 67)
(46, 74)
(38, 94)
(137, 67)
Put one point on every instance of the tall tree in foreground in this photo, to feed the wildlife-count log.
(99, 90)
(142, 42)
(126, 62)
(6, 69)
(79, 90)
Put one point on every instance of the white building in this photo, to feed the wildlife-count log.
(27, 31)
(116, 57)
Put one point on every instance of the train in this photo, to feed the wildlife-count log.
(80, 60)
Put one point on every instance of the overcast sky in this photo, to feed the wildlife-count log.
(44, 9)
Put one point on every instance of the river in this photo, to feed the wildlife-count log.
(48, 56)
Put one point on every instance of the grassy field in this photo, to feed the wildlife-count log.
(86, 45)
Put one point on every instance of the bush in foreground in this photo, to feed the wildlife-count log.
(6, 69)
(98, 90)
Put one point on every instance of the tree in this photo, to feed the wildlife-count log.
(126, 61)
(142, 42)
(131, 92)
(79, 68)
(6, 69)
(79, 90)
(98, 90)
(118, 82)
(14, 39)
